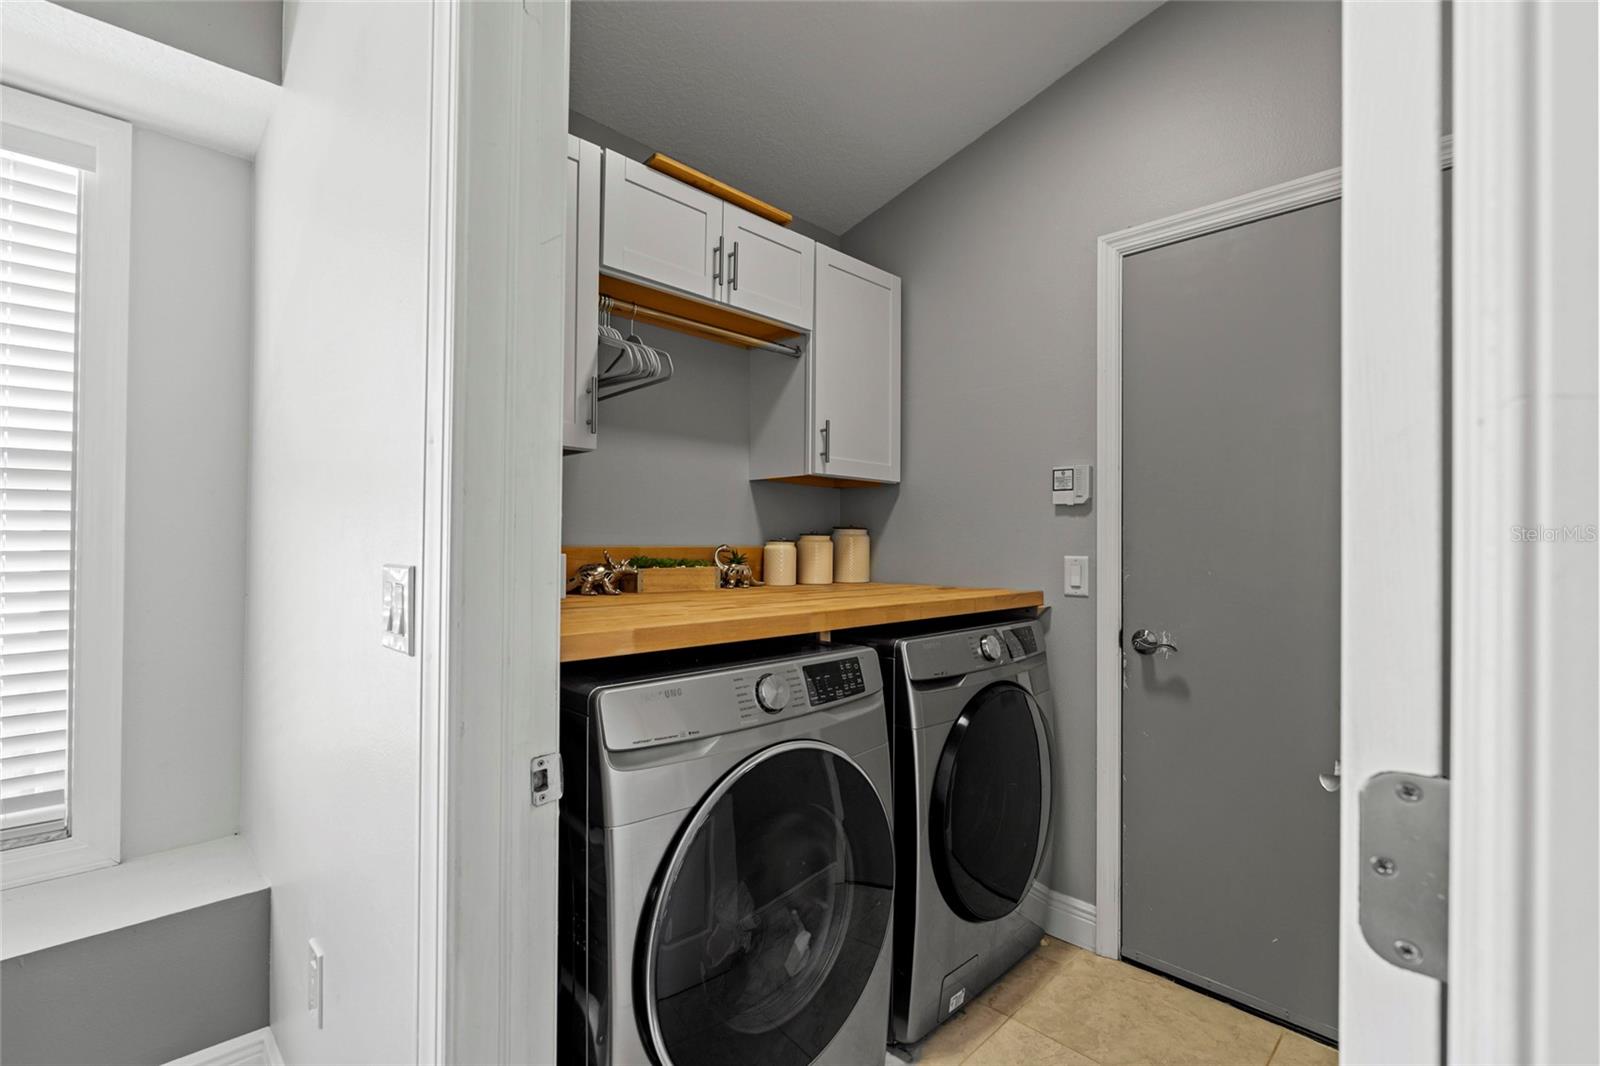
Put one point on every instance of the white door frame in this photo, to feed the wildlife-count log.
(488, 612)
(1113, 249)
(1523, 864)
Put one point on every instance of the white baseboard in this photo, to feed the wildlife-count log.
(251, 1049)
(1062, 916)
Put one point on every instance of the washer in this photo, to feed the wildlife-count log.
(727, 862)
(971, 715)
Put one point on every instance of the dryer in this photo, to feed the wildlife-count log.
(726, 858)
(971, 715)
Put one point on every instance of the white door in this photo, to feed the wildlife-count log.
(579, 409)
(659, 230)
(855, 353)
(770, 267)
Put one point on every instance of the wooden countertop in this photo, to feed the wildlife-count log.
(594, 627)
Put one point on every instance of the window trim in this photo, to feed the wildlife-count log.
(100, 461)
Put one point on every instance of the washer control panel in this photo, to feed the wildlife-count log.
(694, 706)
(832, 681)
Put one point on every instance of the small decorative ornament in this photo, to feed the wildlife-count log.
(736, 572)
(594, 579)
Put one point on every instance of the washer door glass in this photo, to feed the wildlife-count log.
(770, 912)
(990, 803)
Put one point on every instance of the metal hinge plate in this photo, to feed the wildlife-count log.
(1405, 870)
(544, 779)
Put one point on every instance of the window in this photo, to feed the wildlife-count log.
(64, 228)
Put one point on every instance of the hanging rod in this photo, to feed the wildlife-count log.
(666, 318)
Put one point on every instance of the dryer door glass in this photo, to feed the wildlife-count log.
(990, 803)
(770, 912)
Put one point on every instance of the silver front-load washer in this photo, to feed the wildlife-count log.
(971, 715)
(727, 866)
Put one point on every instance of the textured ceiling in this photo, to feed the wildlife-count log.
(826, 109)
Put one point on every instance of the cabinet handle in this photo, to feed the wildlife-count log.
(827, 440)
(733, 267)
(716, 263)
(594, 399)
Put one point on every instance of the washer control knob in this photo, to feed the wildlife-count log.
(772, 693)
(990, 648)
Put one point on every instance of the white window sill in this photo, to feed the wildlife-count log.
(47, 913)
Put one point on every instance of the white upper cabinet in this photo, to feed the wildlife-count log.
(659, 230)
(833, 415)
(770, 268)
(579, 409)
(855, 368)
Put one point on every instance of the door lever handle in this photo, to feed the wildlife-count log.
(1147, 643)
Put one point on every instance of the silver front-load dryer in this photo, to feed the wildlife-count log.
(727, 864)
(971, 715)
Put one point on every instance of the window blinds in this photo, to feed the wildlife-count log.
(39, 210)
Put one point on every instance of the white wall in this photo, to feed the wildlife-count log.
(1196, 103)
(332, 718)
(188, 371)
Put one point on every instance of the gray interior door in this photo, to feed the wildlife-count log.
(1230, 546)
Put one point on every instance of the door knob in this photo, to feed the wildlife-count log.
(1147, 643)
(1330, 782)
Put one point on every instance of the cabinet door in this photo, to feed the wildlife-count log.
(855, 385)
(659, 230)
(771, 269)
(580, 412)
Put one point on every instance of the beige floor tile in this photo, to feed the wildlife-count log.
(959, 1037)
(1024, 979)
(1297, 1050)
(1115, 1013)
(1058, 950)
(1014, 1044)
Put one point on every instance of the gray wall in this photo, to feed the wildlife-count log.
(246, 35)
(673, 465)
(1196, 103)
(149, 993)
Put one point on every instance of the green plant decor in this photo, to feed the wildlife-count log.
(648, 562)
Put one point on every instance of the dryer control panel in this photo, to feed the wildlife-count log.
(955, 654)
(669, 710)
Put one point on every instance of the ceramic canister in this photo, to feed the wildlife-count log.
(777, 562)
(816, 559)
(852, 555)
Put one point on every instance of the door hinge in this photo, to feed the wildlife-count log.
(544, 779)
(1403, 899)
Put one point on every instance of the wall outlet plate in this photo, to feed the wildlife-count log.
(399, 609)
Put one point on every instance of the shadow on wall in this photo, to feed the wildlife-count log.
(673, 463)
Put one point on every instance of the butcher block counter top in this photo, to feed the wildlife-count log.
(595, 627)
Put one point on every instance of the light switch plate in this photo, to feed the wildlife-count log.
(315, 971)
(399, 609)
(1076, 575)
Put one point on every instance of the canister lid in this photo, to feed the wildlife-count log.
(815, 537)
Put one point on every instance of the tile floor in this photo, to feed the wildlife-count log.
(1063, 1006)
